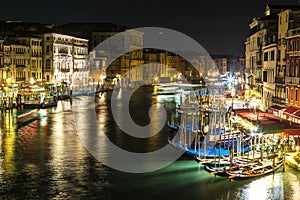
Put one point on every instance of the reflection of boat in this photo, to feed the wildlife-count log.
(253, 171)
(27, 117)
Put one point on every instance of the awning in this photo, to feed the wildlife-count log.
(276, 108)
(290, 111)
(297, 114)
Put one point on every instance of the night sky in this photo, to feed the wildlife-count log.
(221, 27)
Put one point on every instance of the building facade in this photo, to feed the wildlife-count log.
(269, 71)
(292, 79)
(63, 57)
(20, 65)
(2, 71)
(35, 63)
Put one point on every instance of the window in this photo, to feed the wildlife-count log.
(47, 48)
(266, 56)
(272, 55)
(265, 76)
(48, 64)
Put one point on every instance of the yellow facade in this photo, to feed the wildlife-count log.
(35, 63)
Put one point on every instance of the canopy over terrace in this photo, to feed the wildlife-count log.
(290, 111)
(276, 108)
(268, 123)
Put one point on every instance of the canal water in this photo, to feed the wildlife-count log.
(46, 159)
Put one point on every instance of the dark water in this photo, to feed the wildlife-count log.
(47, 160)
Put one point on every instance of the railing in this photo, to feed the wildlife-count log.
(65, 70)
(36, 55)
(259, 62)
(20, 66)
(258, 80)
(292, 80)
(294, 32)
(20, 79)
(294, 53)
(279, 80)
(296, 80)
(278, 100)
(79, 56)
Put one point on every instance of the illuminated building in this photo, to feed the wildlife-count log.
(268, 70)
(61, 55)
(20, 62)
(266, 55)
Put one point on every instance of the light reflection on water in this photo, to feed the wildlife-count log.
(46, 159)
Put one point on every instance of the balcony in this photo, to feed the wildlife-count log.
(258, 80)
(294, 32)
(20, 66)
(249, 71)
(65, 70)
(279, 80)
(36, 55)
(294, 53)
(79, 56)
(278, 100)
(292, 80)
(20, 79)
(259, 63)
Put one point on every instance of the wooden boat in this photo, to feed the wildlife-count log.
(217, 171)
(218, 166)
(253, 171)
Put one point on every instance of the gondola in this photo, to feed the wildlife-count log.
(257, 170)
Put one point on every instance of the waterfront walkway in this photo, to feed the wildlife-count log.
(268, 124)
